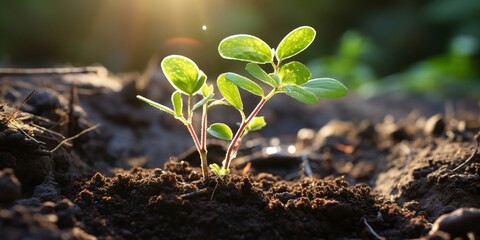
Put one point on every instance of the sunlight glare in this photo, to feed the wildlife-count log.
(272, 150)
(291, 149)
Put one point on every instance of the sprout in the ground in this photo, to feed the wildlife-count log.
(292, 78)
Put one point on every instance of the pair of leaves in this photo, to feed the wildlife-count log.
(249, 48)
(252, 49)
(313, 89)
(227, 84)
(183, 74)
(177, 103)
(290, 73)
(222, 131)
(218, 171)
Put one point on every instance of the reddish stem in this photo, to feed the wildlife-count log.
(241, 129)
(194, 136)
(200, 149)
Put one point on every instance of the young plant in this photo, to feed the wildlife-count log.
(292, 78)
(188, 80)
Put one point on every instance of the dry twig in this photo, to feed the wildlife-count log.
(48, 131)
(28, 136)
(476, 139)
(62, 70)
(74, 137)
(14, 113)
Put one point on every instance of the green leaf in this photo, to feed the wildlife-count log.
(157, 105)
(256, 124)
(294, 73)
(230, 92)
(218, 102)
(260, 74)
(245, 48)
(177, 104)
(202, 78)
(295, 42)
(325, 88)
(182, 73)
(275, 78)
(220, 130)
(217, 170)
(244, 83)
(203, 101)
(206, 90)
(301, 94)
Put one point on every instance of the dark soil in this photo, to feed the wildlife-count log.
(386, 172)
(176, 203)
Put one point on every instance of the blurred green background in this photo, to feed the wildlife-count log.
(373, 46)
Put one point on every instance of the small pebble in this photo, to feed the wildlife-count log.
(435, 125)
(47, 207)
(64, 204)
(10, 187)
(458, 223)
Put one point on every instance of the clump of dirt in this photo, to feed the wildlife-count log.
(427, 176)
(176, 203)
(10, 187)
(50, 221)
(30, 160)
(423, 170)
(37, 154)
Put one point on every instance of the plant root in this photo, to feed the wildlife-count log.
(194, 194)
(214, 189)
(372, 231)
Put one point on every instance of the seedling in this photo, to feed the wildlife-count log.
(292, 78)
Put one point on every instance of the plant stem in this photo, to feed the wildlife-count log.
(194, 136)
(201, 151)
(203, 142)
(199, 145)
(234, 144)
(189, 109)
